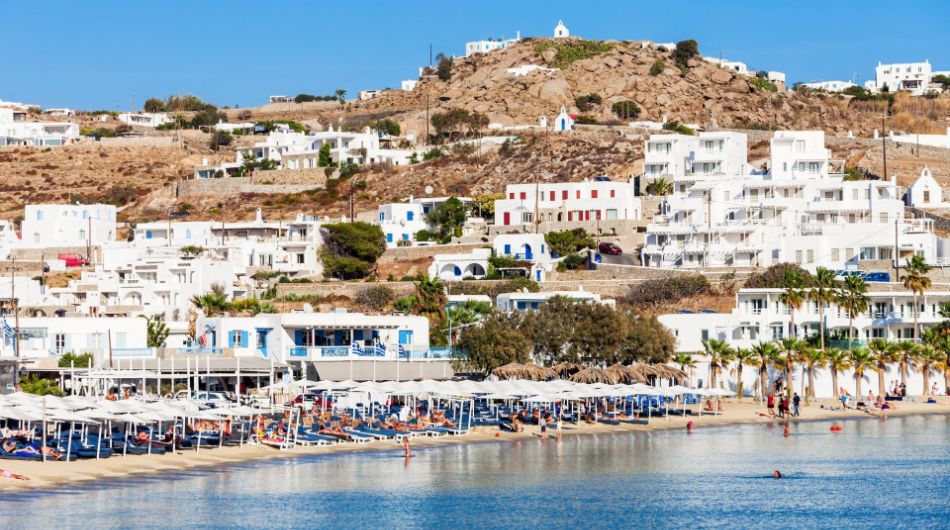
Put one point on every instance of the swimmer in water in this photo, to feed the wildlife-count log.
(777, 474)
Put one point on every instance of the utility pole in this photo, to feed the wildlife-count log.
(884, 142)
(427, 118)
(897, 251)
(430, 55)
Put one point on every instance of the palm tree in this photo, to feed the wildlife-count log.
(790, 348)
(685, 360)
(742, 357)
(917, 281)
(794, 296)
(837, 361)
(905, 354)
(659, 187)
(853, 298)
(812, 358)
(927, 360)
(884, 353)
(719, 353)
(211, 303)
(764, 354)
(861, 360)
(943, 349)
(824, 292)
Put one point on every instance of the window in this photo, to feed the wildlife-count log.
(237, 339)
(777, 331)
(758, 305)
(552, 195)
(511, 195)
(613, 193)
(577, 194)
(868, 253)
(593, 194)
(704, 334)
(187, 233)
(564, 195)
(59, 342)
(39, 215)
(148, 234)
(926, 195)
(835, 254)
(883, 217)
(410, 216)
(301, 258)
(405, 237)
(382, 216)
(524, 195)
(507, 250)
(389, 238)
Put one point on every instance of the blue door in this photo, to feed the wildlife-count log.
(405, 337)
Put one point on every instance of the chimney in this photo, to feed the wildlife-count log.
(259, 216)
(204, 161)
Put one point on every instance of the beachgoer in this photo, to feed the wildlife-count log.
(689, 426)
(933, 389)
(796, 401)
(903, 390)
(557, 427)
(786, 432)
(543, 423)
(777, 474)
(844, 400)
(16, 476)
(771, 404)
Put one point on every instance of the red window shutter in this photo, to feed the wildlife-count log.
(524, 195)
(593, 194)
(552, 195)
(613, 193)
(564, 195)
(570, 215)
(578, 194)
(598, 215)
(508, 217)
(511, 195)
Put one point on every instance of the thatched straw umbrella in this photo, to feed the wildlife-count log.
(511, 371)
(626, 374)
(568, 369)
(539, 373)
(668, 372)
(594, 375)
(641, 372)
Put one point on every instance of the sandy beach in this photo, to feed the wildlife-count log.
(59, 474)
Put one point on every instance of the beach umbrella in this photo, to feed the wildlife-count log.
(594, 375)
(567, 369)
(510, 371)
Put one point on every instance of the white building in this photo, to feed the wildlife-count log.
(925, 192)
(454, 267)
(684, 159)
(144, 119)
(564, 121)
(16, 130)
(527, 301)
(67, 225)
(525, 69)
(300, 337)
(488, 45)
(584, 204)
(829, 86)
(797, 212)
(60, 112)
(760, 316)
(931, 140)
(281, 99)
(528, 247)
(302, 151)
(775, 76)
(913, 77)
(366, 95)
(409, 84)
(51, 337)
(734, 66)
(246, 127)
(561, 31)
(401, 222)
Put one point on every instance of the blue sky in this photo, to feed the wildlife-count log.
(99, 54)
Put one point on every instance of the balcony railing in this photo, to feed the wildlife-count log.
(199, 350)
(133, 352)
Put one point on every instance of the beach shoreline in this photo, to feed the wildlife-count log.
(52, 475)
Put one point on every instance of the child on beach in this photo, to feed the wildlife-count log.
(6, 474)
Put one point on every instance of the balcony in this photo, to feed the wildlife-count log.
(133, 352)
(199, 350)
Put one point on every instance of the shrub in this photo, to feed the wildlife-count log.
(405, 304)
(763, 84)
(678, 127)
(626, 109)
(444, 69)
(423, 235)
(775, 277)
(666, 290)
(387, 126)
(571, 262)
(585, 103)
(657, 68)
(79, 361)
(853, 173)
(351, 249)
(574, 50)
(568, 241)
(377, 297)
(684, 51)
(154, 105)
(219, 139)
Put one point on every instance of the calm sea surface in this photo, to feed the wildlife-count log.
(891, 474)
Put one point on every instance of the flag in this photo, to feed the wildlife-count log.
(380, 349)
(402, 352)
(7, 330)
(355, 348)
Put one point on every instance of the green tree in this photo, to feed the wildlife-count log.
(568, 242)
(495, 341)
(764, 355)
(351, 249)
(719, 353)
(444, 68)
(79, 361)
(157, 332)
(793, 297)
(448, 217)
(743, 357)
(430, 302)
(660, 187)
(219, 139)
(340, 95)
(684, 360)
(837, 361)
(883, 353)
(626, 109)
(824, 291)
(917, 281)
(484, 204)
(861, 360)
(586, 103)
(684, 51)
(812, 358)
(455, 123)
(324, 158)
(927, 359)
(387, 126)
(377, 297)
(40, 387)
(905, 354)
(853, 298)
(647, 340)
(154, 105)
(791, 348)
(211, 304)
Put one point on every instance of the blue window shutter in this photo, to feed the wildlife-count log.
(457, 271)
(244, 341)
(507, 249)
(405, 337)
(410, 215)
(389, 238)
(542, 248)
(298, 337)
(538, 275)
(358, 334)
(148, 234)
(230, 339)
(382, 216)
(405, 237)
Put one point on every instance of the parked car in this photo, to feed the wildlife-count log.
(609, 248)
(210, 400)
(72, 260)
(308, 401)
(877, 277)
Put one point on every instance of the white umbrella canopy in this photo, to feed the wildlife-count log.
(677, 390)
(67, 416)
(238, 411)
(719, 392)
(539, 399)
(20, 413)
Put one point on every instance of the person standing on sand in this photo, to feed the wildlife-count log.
(796, 401)
(543, 423)
(771, 404)
(557, 427)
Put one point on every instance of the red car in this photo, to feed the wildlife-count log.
(72, 260)
(609, 248)
(308, 401)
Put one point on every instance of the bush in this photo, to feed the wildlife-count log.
(775, 277)
(387, 126)
(571, 263)
(432, 154)
(351, 249)
(626, 109)
(684, 51)
(678, 127)
(573, 50)
(444, 69)
(377, 297)
(79, 361)
(569, 241)
(405, 304)
(657, 68)
(504, 262)
(423, 235)
(763, 84)
(154, 105)
(853, 173)
(667, 290)
(585, 103)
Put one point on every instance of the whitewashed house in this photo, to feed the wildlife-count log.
(931, 140)
(796, 212)
(454, 267)
(581, 204)
(561, 31)
(912, 77)
(143, 119)
(67, 225)
(528, 301)
(528, 247)
(563, 121)
(401, 222)
(760, 316)
(15, 129)
(292, 150)
(829, 86)
(925, 192)
(409, 85)
(48, 338)
(489, 45)
(734, 66)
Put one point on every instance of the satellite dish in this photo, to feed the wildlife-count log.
(429, 190)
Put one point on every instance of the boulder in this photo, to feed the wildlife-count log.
(720, 76)
(555, 91)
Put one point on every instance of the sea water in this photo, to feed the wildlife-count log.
(872, 474)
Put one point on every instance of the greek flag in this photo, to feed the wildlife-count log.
(355, 348)
(380, 349)
(402, 352)
(7, 330)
